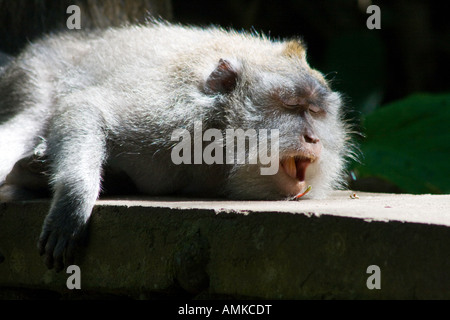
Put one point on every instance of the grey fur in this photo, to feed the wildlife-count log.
(111, 99)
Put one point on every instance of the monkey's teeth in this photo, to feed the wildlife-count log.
(290, 167)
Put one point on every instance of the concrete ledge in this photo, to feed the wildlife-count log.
(312, 249)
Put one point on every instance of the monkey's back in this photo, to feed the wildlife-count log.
(140, 49)
(151, 62)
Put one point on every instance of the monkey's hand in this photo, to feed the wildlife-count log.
(63, 232)
(65, 225)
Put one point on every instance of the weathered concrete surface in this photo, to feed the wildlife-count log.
(317, 249)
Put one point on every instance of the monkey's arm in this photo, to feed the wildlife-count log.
(76, 148)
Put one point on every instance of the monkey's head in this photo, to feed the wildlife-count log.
(277, 89)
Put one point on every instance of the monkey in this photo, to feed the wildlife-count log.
(74, 106)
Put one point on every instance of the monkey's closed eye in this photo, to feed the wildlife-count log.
(314, 109)
(297, 103)
(294, 102)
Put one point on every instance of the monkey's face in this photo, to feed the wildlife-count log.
(296, 101)
(307, 113)
(304, 111)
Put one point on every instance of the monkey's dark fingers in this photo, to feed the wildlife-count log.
(51, 244)
(42, 242)
(49, 248)
(58, 252)
(59, 249)
(70, 252)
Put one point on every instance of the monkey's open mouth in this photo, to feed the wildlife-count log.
(295, 166)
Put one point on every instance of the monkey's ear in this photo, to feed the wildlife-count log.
(223, 79)
(295, 48)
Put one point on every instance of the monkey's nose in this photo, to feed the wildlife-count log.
(310, 143)
(311, 138)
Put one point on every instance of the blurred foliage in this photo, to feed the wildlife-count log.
(408, 144)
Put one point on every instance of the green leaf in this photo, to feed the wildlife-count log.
(408, 144)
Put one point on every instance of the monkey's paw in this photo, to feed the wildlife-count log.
(59, 241)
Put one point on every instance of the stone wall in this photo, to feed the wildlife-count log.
(311, 249)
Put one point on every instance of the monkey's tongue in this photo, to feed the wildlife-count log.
(296, 167)
(302, 164)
